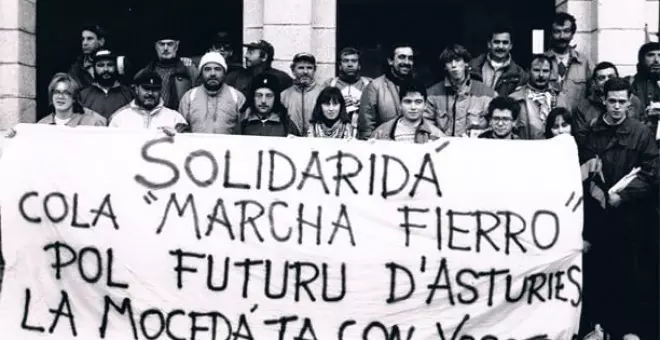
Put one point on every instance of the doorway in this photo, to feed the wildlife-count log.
(131, 24)
(431, 25)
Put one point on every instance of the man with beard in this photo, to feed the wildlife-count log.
(300, 98)
(496, 68)
(258, 59)
(380, 99)
(106, 95)
(349, 81)
(147, 110)
(570, 69)
(502, 116)
(177, 77)
(212, 107)
(458, 104)
(646, 84)
(263, 112)
(593, 106)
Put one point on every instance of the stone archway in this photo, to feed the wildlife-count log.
(17, 62)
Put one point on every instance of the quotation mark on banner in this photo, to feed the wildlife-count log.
(149, 197)
(577, 203)
(441, 147)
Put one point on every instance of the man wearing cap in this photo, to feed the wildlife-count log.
(106, 95)
(258, 59)
(147, 110)
(263, 112)
(214, 106)
(221, 43)
(177, 77)
(300, 98)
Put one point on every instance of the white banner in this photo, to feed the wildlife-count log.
(114, 234)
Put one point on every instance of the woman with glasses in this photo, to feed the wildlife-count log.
(65, 107)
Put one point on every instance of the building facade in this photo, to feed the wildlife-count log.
(609, 30)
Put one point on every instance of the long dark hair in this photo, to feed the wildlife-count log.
(552, 117)
(326, 96)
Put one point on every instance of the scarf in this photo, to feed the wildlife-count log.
(542, 99)
(389, 74)
(337, 130)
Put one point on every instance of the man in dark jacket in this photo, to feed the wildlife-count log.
(496, 68)
(263, 112)
(106, 95)
(646, 84)
(177, 77)
(258, 59)
(222, 44)
(619, 228)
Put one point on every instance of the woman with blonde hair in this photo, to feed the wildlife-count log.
(65, 107)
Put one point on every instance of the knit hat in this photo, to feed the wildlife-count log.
(266, 80)
(213, 57)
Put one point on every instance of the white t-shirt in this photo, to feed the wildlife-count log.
(135, 117)
(60, 121)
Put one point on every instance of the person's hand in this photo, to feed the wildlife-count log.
(291, 136)
(11, 133)
(187, 62)
(614, 200)
(653, 109)
(350, 101)
(170, 132)
(585, 246)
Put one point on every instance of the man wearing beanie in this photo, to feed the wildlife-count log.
(177, 77)
(646, 84)
(264, 114)
(214, 106)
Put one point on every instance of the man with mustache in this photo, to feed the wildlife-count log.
(300, 98)
(106, 95)
(496, 68)
(646, 84)
(177, 77)
(458, 104)
(259, 58)
(380, 99)
(570, 69)
(536, 99)
(593, 106)
(349, 81)
(212, 107)
(147, 110)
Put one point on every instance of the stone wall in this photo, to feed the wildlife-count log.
(17, 62)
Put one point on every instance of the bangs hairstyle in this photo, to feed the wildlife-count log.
(330, 94)
(74, 87)
(454, 52)
(552, 117)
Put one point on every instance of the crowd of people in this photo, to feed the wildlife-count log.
(614, 121)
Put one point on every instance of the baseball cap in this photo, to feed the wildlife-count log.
(262, 45)
(148, 79)
(104, 55)
(304, 56)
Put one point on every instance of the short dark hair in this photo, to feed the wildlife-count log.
(604, 65)
(400, 44)
(348, 51)
(454, 52)
(552, 117)
(561, 17)
(503, 103)
(498, 29)
(543, 57)
(412, 86)
(616, 84)
(328, 95)
(100, 32)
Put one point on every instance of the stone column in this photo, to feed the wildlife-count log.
(287, 24)
(324, 37)
(253, 20)
(18, 58)
(619, 32)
